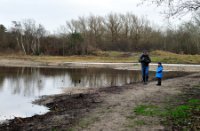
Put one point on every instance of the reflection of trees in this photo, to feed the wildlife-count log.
(31, 81)
(1, 81)
(53, 72)
(102, 77)
(26, 81)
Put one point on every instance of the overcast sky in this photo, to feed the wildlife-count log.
(54, 13)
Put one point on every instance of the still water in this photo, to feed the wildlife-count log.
(20, 86)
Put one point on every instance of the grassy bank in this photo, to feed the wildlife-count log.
(113, 56)
(168, 57)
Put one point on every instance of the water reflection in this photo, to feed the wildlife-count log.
(20, 86)
(29, 82)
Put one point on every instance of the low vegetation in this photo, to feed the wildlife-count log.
(168, 57)
(179, 113)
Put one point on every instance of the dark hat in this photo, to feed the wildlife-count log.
(144, 51)
(160, 63)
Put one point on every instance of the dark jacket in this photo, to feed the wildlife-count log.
(145, 60)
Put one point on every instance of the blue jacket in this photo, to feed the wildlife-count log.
(159, 72)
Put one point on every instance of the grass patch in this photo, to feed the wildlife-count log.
(185, 117)
(196, 86)
(177, 112)
(149, 110)
(181, 116)
(194, 102)
(146, 110)
(53, 130)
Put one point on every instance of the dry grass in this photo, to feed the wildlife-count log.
(168, 57)
(112, 56)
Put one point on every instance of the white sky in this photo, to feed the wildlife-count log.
(54, 13)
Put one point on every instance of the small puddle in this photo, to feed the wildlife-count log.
(20, 86)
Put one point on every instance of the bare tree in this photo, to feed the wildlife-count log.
(17, 29)
(113, 25)
(73, 26)
(126, 25)
(96, 30)
(78, 35)
(136, 29)
(176, 7)
(83, 27)
(2, 28)
(194, 29)
(28, 35)
(2, 35)
(121, 32)
(40, 33)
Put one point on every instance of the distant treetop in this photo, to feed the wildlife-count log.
(177, 7)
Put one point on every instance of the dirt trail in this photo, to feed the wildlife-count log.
(112, 115)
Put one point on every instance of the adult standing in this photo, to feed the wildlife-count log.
(145, 60)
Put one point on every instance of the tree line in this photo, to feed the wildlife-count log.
(113, 32)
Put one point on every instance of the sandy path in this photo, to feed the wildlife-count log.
(112, 115)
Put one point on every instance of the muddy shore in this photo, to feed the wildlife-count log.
(103, 108)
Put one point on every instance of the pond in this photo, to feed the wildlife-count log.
(20, 86)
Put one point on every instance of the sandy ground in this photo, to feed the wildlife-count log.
(113, 114)
(103, 109)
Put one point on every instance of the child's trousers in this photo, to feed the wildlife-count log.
(159, 81)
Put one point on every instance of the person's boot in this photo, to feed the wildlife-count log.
(160, 81)
(147, 78)
(158, 84)
(143, 78)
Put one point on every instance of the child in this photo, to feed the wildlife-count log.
(159, 73)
